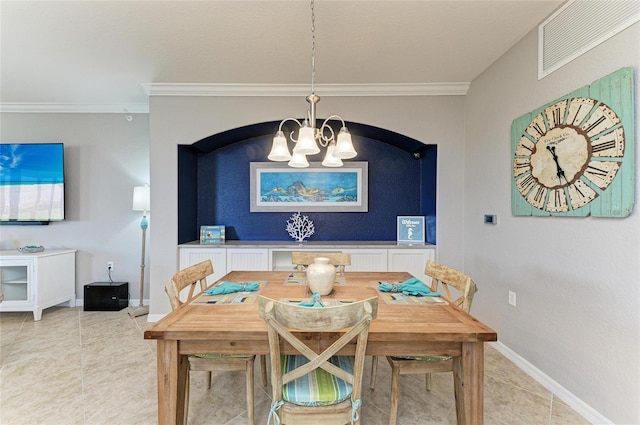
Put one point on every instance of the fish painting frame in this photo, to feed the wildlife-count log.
(275, 187)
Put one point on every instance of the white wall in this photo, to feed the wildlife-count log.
(432, 120)
(577, 280)
(105, 156)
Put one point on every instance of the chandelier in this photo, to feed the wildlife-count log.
(309, 136)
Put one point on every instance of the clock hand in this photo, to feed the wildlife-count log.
(559, 170)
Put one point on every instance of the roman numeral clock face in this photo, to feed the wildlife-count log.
(568, 155)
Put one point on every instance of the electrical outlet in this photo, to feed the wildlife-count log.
(512, 298)
(110, 265)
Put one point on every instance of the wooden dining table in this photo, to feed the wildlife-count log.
(232, 326)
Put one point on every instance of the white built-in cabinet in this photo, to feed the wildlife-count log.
(374, 256)
(409, 260)
(33, 282)
(247, 259)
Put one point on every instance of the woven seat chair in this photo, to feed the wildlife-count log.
(442, 279)
(190, 277)
(309, 387)
(303, 258)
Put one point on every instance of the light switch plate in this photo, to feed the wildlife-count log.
(490, 219)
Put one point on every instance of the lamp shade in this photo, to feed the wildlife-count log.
(141, 198)
(329, 159)
(306, 143)
(279, 149)
(298, 160)
(344, 147)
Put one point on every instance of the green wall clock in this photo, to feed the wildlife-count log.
(575, 156)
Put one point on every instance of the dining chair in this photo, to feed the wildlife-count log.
(443, 279)
(310, 387)
(303, 258)
(189, 278)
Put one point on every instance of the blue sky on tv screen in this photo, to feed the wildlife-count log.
(31, 163)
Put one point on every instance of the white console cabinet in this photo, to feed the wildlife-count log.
(409, 260)
(194, 255)
(264, 255)
(33, 282)
(247, 259)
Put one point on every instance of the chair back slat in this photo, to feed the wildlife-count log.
(446, 277)
(303, 258)
(189, 277)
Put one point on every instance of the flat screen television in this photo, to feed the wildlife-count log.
(31, 182)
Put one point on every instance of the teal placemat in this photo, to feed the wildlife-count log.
(246, 297)
(400, 298)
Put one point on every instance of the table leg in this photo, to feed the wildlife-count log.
(468, 376)
(173, 372)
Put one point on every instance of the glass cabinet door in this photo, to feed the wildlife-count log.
(14, 281)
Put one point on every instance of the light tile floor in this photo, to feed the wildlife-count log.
(77, 367)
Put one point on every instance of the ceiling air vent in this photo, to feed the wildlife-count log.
(579, 26)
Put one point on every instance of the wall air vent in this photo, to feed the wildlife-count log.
(578, 26)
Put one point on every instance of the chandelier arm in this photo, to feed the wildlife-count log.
(334, 117)
(322, 139)
(290, 134)
(288, 119)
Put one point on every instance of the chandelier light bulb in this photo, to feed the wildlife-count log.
(279, 149)
(298, 160)
(306, 143)
(344, 148)
(329, 159)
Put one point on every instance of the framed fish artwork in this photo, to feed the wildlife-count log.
(278, 188)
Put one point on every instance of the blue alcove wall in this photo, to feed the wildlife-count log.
(214, 179)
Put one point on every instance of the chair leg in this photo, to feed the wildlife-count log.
(428, 382)
(395, 392)
(263, 367)
(186, 398)
(250, 418)
(209, 380)
(374, 372)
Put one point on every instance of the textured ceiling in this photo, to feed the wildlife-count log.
(101, 52)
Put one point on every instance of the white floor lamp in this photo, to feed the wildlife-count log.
(141, 202)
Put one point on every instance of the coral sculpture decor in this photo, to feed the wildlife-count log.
(300, 227)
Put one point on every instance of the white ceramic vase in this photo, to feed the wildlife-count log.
(321, 275)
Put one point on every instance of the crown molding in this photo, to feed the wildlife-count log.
(76, 108)
(241, 90)
(357, 90)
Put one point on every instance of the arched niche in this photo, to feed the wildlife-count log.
(214, 178)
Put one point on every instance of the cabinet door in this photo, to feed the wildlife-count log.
(218, 257)
(247, 259)
(55, 279)
(410, 260)
(16, 278)
(367, 260)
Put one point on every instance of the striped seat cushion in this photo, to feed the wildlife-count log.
(318, 388)
(424, 358)
(221, 356)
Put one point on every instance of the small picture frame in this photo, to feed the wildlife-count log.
(212, 235)
(411, 230)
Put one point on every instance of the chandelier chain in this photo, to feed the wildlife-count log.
(313, 48)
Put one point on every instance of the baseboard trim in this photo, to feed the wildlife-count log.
(582, 408)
